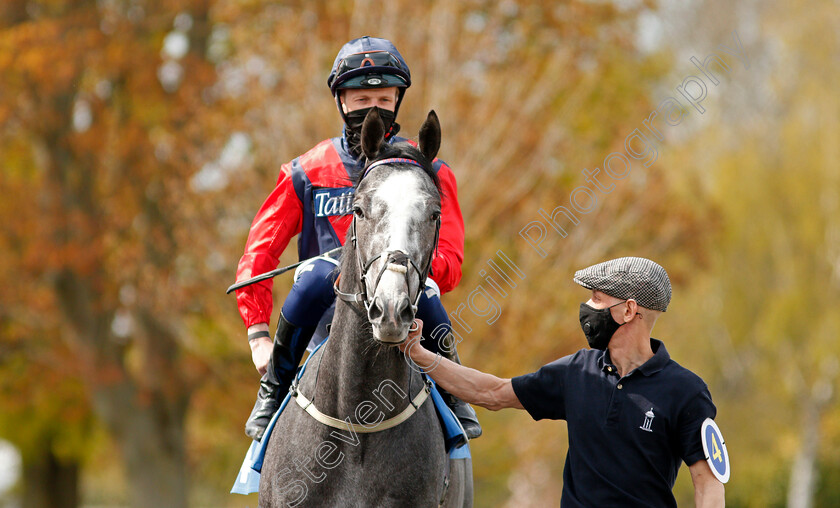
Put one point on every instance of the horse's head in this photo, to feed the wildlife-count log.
(396, 223)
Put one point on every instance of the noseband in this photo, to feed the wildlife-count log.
(395, 261)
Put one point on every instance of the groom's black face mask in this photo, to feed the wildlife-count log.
(598, 325)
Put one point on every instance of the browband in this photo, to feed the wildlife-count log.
(395, 160)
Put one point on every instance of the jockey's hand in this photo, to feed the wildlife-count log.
(413, 336)
(260, 352)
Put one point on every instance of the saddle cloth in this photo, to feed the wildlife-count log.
(248, 478)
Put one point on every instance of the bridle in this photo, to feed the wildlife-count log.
(395, 261)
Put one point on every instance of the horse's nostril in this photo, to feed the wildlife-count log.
(404, 311)
(376, 310)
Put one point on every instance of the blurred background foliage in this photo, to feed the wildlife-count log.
(139, 137)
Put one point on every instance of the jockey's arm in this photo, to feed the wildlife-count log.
(261, 346)
(469, 385)
(446, 265)
(277, 221)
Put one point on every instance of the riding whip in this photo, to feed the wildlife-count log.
(276, 272)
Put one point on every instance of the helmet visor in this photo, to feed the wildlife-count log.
(371, 62)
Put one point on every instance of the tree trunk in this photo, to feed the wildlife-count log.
(155, 459)
(145, 412)
(803, 472)
(149, 429)
(49, 482)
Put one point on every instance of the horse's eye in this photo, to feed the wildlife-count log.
(358, 211)
(435, 216)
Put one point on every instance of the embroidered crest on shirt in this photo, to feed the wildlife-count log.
(649, 416)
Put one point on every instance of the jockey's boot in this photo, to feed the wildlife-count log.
(463, 411)
(290, 342)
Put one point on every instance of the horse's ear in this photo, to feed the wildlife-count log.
(430, 136)
(373, 133)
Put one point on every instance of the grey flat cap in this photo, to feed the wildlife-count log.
(625, 278)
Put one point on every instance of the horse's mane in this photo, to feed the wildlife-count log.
(406, 150)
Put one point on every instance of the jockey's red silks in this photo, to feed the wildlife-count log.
(313, 198)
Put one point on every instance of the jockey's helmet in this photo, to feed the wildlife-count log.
(369, 62)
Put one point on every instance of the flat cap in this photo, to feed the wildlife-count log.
(639, 279)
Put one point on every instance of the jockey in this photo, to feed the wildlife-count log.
(313, 198)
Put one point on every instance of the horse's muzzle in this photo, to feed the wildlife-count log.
(391, 319)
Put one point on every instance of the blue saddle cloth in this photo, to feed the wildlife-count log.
(248, 479)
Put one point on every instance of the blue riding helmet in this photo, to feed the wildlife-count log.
(369, 62)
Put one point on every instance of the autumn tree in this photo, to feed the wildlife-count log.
(109, 247)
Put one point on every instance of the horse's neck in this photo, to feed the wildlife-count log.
(354, 367)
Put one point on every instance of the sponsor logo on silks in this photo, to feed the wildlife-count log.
(649, 416)
(329, 202)
(715, 449)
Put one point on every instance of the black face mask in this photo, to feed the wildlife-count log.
(354, 121)
(598, 325)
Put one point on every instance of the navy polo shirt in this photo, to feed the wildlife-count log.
(627, 435)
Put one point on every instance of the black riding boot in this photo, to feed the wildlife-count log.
(290, 342)
(463, 411)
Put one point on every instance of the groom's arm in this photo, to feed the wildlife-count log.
(469, 385)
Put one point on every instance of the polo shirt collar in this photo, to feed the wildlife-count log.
(656, 363)
(659, 359)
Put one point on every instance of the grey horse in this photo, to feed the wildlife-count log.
(359, 376)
